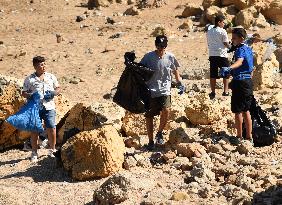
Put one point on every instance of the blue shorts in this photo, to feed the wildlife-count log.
(49, 117)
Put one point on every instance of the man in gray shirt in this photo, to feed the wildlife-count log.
(164, 64)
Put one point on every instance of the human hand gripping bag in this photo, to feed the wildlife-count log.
(27, 118)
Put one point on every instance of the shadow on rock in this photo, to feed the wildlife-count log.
(45, 170)
(271, 196)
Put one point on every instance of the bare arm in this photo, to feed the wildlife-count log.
(177, 75)
(25, 94)
(237, 64)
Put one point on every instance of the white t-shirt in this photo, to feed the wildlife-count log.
(216, 38)
(33, 84)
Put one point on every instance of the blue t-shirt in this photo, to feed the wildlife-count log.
(160, 83)
(245, 70)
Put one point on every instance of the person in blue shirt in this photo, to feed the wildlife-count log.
(241, 84)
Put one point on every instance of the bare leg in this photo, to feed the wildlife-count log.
(163, 119)
(34, 141)
(51, 132)
(248, 124)
(238, 124)
(150, 128)
(213, 84)
(225, 84)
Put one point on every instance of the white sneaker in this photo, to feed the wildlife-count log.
(51, 152)
(34, 156)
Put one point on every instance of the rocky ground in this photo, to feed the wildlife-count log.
(198, 165)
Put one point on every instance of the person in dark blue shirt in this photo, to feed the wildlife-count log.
(241, 84)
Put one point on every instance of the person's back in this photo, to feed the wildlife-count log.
(216, 38)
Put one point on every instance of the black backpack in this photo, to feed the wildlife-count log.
(264, 131)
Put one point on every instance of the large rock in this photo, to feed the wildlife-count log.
(84, 118)
(258, 4)
(10, 102)
(98, 3)
(92, 154)
(250, 17)
(190, 149)
(192, 10)
(202, 110)
(208, 3)
(274, 11)
(263, 76)
(132, 11)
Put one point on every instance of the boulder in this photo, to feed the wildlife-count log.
(212, 11)
(278, 39)
(95, 153)
(263, 75)
(10, 102)
(274, 11)
(250, 17)
(132, 11)
(202, 110)
(258, 4)
(98, 3)
(160, 30)
(192, 10)
(63, 105)
(84, 118)
(183, 135)
(209, 3)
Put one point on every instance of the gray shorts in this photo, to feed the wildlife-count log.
(157, 104)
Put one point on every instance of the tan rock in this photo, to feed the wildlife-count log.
(63, 105)
(250, 17)
(227, 2)
(208, 3)
(187, 26)
(202, 110)
(132, 11)
(274, 11)
(263, 74)
(192, 10)
(278, 39)
(83, 118)
(258, 4)
(183, 135)
(151, 3)
(179, 196)
(190, 149)
(212, 11)
(160, 31)
(245, 147)
(96, 153)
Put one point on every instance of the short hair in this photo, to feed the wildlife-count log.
(37, 59)
(240, 32)
(218, 18)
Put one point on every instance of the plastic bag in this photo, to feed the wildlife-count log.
(27, 118)
(264, 132)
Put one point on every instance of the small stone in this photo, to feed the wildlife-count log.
(132, 11)
(179, 196)
(110, 20)
(80, 18)
(117, 35)
(129, 162)
(245, 147)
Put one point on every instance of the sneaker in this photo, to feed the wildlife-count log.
(159, 138)
(212, 95)
(34, 156)
(51, 152)
(225, 94)
(150, 146)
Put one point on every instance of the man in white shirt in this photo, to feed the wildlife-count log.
(47, 86)
(218, 45)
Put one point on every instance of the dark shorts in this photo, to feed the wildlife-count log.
(49, 117)
(157, 104)
(217, 62)
(242, 95)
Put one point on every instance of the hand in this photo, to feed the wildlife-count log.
(181, 88)
(49, 95)
(225, 72)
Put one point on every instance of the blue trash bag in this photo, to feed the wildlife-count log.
(27, 118)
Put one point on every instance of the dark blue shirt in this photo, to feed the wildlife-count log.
(245, 70)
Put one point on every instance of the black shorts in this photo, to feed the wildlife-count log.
(242, 95)
(157, 104)
(217, 62)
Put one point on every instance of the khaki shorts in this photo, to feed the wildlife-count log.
(157, 105)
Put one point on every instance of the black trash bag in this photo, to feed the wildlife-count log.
(132, 92)
(264, 131)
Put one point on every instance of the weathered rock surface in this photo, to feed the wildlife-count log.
(263, 76)
(92, 154)
(83, 118)
(192, 10)
(274, 11)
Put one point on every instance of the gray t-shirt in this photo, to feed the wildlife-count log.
(160, 83)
